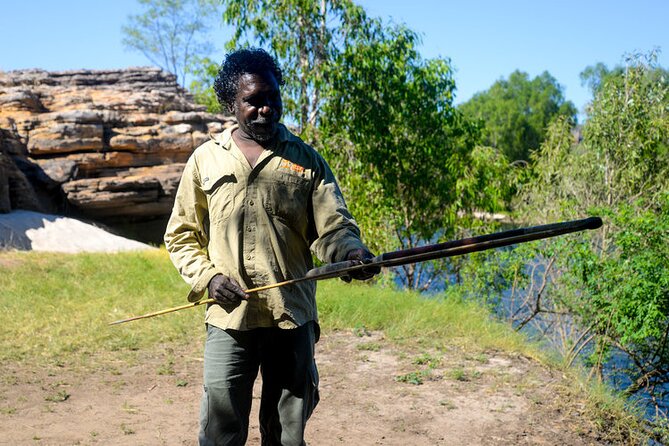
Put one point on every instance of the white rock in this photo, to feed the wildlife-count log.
(27, 230)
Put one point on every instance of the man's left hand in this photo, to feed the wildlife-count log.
(363, 256)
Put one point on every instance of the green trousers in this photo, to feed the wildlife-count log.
(232, 359)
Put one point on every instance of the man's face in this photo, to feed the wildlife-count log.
(258, 106)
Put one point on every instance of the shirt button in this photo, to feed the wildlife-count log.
(248, 257)
(251, 203)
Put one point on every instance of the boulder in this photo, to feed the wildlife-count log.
(102, 144)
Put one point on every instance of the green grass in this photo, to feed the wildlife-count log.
(403, 316)
(57, 308)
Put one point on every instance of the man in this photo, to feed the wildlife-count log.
(250, 205)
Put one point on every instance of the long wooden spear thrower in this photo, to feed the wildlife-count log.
(414, 255)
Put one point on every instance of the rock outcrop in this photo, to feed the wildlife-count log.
(107, 145)
(16, 192)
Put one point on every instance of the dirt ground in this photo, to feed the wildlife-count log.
(372, 393)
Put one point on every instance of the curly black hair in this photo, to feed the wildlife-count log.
(245, 61)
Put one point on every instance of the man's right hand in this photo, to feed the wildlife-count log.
(226, 290)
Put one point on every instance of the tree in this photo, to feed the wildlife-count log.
(514, 113)
(595, 76)
(170, 33)
(204, 72)
(405, 155)
(304, 35)
(609, 290)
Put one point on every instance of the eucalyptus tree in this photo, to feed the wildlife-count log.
(407, 156)
(171, 33)
(594, 76)
(304, 35)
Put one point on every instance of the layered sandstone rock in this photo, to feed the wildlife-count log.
(110, 144)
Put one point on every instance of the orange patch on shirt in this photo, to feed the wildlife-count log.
(285, 164)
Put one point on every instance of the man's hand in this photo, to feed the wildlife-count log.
(226, 290)
(363, 256)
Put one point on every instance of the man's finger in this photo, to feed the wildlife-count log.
(227, 297)
(236, 288)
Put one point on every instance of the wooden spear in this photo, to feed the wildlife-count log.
(201, 302)
(414, 255)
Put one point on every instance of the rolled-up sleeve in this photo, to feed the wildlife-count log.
(186, 236)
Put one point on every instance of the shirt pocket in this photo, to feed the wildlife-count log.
(287, 197)
(219, 190)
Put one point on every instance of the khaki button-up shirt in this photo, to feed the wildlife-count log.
(257, 225)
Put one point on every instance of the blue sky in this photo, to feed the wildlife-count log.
(485, 40)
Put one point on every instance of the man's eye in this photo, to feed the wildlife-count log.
(260, 101)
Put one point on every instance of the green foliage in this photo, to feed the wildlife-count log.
(170, 33)
(459, 374)
(488, 182)
(628, 296)
(553, 187)
(396, 110)
(514, 113)
(405, 156)
(395, 115)
(594, 76)
(416, 378)
(204, 71)
(626, 137)
(304, 35)
(608, 291)
(634, 311)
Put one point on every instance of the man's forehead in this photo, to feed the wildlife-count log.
(264, 81)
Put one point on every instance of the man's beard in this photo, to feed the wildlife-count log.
(262, 130)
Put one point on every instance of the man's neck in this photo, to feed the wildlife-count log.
(251, 148)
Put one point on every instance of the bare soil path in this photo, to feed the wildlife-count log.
(372, 393)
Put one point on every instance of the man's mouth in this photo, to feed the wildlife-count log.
(263, 122)
(263, 129)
